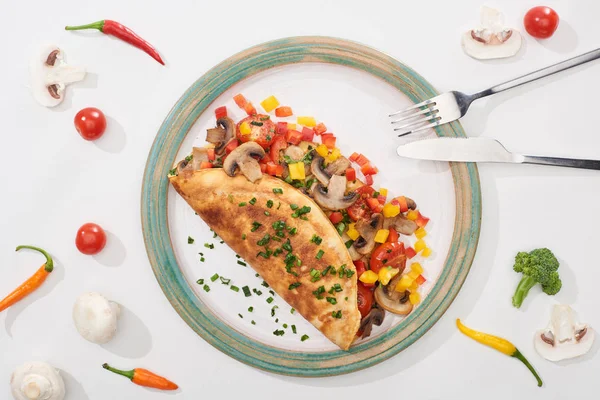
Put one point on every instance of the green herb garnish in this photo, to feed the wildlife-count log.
(270, 300)
(318, 293)
(209, 245)
(250, 309)
(294, 285)
(224, 281)
(279, 332)
(242, 204)
(190, 240)
(278, 190)
(200, 281)
(255, 226)
(304, 337)
(270, 203)
(267, 213)
(294, 329)
(336, 314)
(246, 290)
(206, 288)
(319, 254)
(256, 123)
(273, 310)
(214, 277)
(349, 243)
(234, 288)
(331, 300)
(252, 201)
(316, 239)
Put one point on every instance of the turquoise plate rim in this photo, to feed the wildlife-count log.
(154, 211)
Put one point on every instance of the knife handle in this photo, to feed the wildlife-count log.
(563, 162)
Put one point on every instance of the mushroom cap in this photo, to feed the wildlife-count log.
(334, 198)
(242, 157)
(37, 381)
(492, 39)
(390, 305)
(95, 317)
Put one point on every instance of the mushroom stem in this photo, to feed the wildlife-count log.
(128, 374)
(65, 74)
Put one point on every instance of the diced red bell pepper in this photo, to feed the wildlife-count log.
(402, 203)
(410, 252)
(369, 180)
(240, 100)
(328, 139)
(374, 205)
(232, 145)
(266, 159)
(205, 164)
(307, 134)
(282, 128)
(381, 199)
(283, 111)
(354, 157)
(393, 236)
(221, 112)
(368, 169)
(420, 280)
(249, 108)
(421, 220)
(362, 160)
(274, 169)
(211, 154)
(351, 174)
(320, 128)
(279, 143)
(336, 217)
(263, 168)
(294, 137)
(360, 268)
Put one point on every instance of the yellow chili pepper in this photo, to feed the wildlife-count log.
(497, 343)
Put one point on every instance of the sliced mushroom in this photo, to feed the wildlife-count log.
(199, 155)
(294, 152)
(374, 317)
(50, 75)
(242, 157)
(318, 170)
(338, 167)
(492, 39)
(222, 134)
(400, 306)
(368, 229)
(410, 203)
(185, 164)
(390, 291)
(333, 198)
(355, 255)
(401, 224)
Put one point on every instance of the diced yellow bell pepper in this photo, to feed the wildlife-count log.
(291, 127)
(383, 191)
(352, 232)
(417, 268)
(414, 298)
(322, 150)
(386, 274)
(368, 277)
(335, 154)
(426, 252)
(270, 103)
(420, 245)
(412, 215)
(297, 171)
(307, 121)
(413, 287)
(245, 128)
(420, 233)
(382, 235)
(413, 274)
(404, 284)
(390, 210)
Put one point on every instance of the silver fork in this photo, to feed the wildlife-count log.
(450, 106)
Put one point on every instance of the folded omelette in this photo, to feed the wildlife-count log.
(286, 237)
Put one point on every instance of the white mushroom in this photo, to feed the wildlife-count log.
(492, 39)
(563, 338)
(37, 381)
(244, 159)
(95, 317)
(50, 75)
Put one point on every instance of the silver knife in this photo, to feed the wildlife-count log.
(481, 150)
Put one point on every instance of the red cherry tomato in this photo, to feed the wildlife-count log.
(541, 22)
(359, 209)
(278, 144)
(388, 254)
(90, 123)
(365, 299)
(90, 239)
(262, 130)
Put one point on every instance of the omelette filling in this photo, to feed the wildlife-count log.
(381, 233)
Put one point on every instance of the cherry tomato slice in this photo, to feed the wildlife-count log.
(541, 22)
(365, 299)
(262, 130)
(90, 239)
(360, 210)
(388, 254)
(393, 236)
(90, 123)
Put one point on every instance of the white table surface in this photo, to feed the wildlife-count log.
(54, 181)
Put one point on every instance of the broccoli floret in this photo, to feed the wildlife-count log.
(538, 267)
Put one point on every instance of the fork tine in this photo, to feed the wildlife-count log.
(425, 111)
(426, 118)
(421, 104)
(431, 125)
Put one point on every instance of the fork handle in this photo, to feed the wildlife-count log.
(541, 73)
(563, 162)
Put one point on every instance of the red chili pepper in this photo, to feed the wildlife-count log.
(143, 377)
(122, 32)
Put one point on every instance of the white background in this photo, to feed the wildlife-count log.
(54, 182)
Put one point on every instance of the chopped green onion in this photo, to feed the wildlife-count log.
(277, 252)
(242, 263)
(270, 203)
(206, 288)
(276, 320)
(252, 322)
(256, 123)
(214, 277)
(285, 326)
(331, 300)
(173, 172)
(250, 309)
(341, 227)
(267, 213)
(318, 293)
(375, 195)
(294, 285)
(270, 300)
(278, 190)
(201, 259)
(257, 292)
(287, 246)
(294, 329)
(349, 273)
(265, 118)
(225, 281)
(292, 231)
(278, 225)
(242, 204)
(316, 239)
(234, 288)
(336, 314)
(263, 255)
(190, 240)
(272, 292)
(349, 243)
(319, 254)
(243, 236)
(255, 226)
(265, 284)
(240, 315)
(252, 201)
(278, 332)
(278, 205)
(315, 275)
(280, 234)
(326, 270)
(246, 290)
(209, 245)
(293, 310)
(265, 240)
(337, 287)
(273, 310)
(346, 298)
(294, 206)
(304, 337)
(200, 281)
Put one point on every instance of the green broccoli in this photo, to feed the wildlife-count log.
(538, 266)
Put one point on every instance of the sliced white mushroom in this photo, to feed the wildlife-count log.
(563, 338)
(37, 381)
(50, 75)
(243, 158)
(491, 39)
(96, 317)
